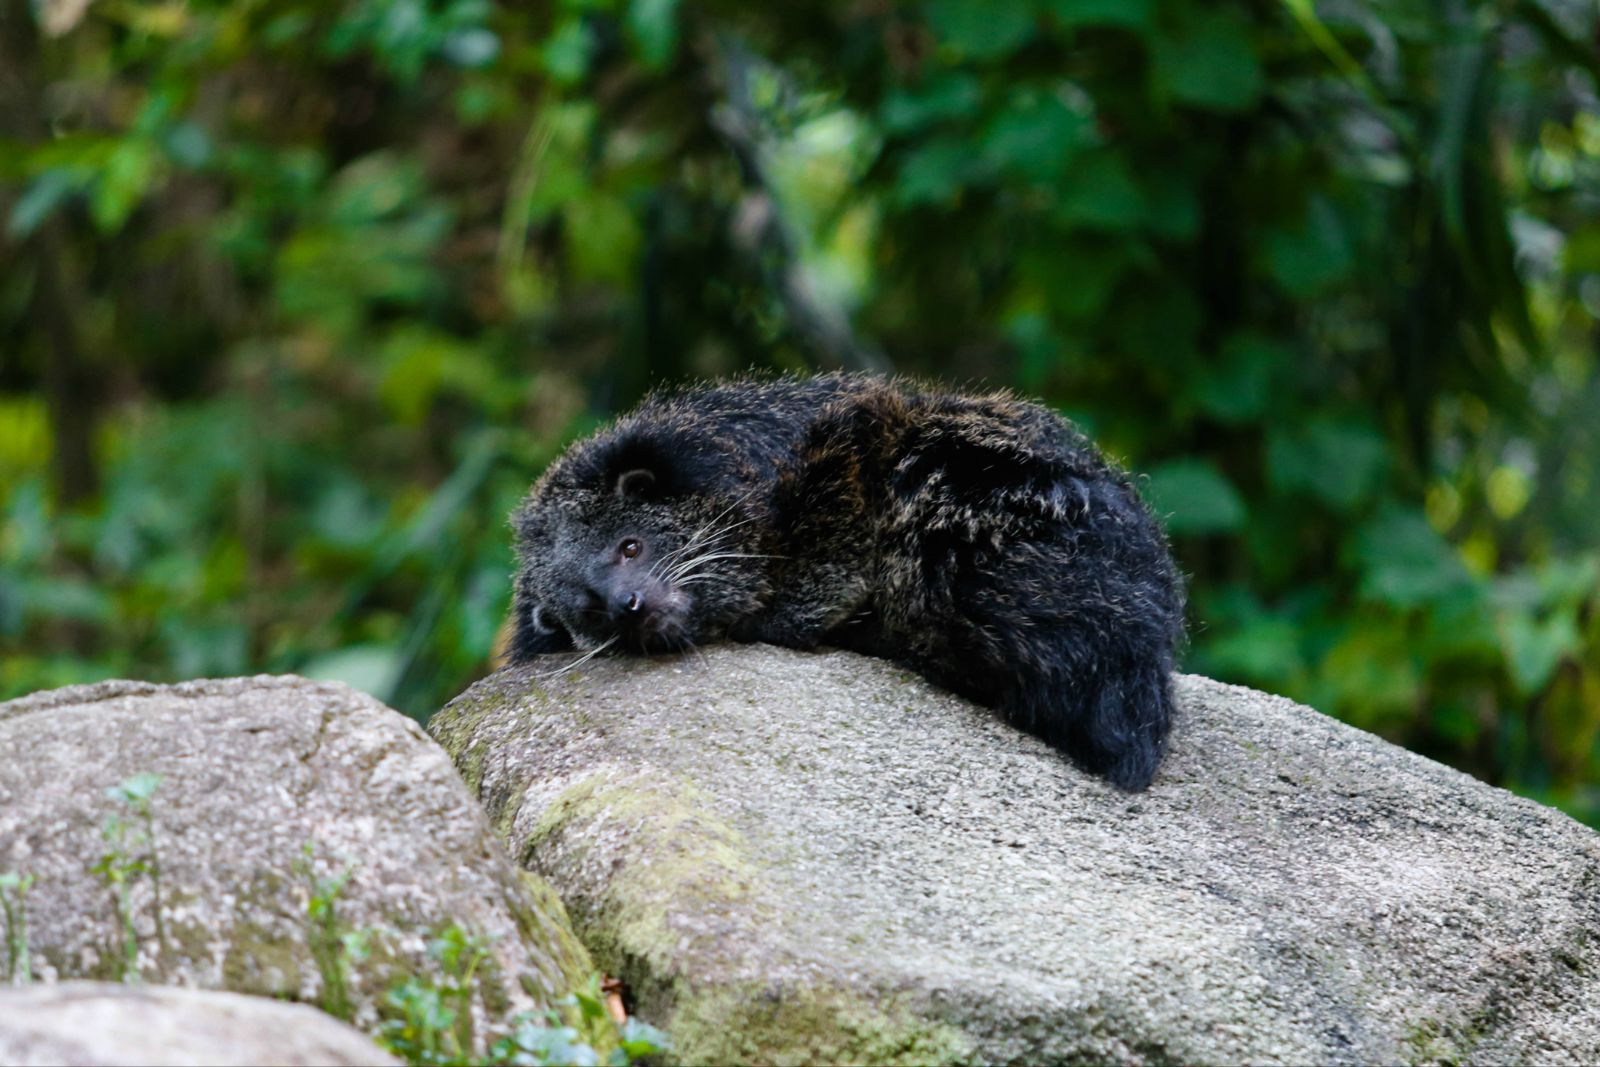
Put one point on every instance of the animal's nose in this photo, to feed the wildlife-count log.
(628, 604)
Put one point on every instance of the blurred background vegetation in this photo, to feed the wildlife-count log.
(297, 296)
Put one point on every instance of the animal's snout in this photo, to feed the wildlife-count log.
(625, 604)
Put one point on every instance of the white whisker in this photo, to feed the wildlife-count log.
(700, 539)
(581, 660)
(695, 537)
(683, 570)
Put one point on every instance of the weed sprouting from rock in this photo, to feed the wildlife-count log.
(132, 853)
(14, 904)
(428, 1017)
(334, 946)
(433, 1022)
(539, 1039)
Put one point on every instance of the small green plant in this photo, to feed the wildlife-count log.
(538, 1040)
(133, 853)
(429, 1017)
(14, 903)
(334, 947)
(433, 1023)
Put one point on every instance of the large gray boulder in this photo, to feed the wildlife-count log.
(818, 857)
(253, 771)
(98, 1024)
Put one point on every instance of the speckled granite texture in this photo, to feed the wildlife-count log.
(801, 857)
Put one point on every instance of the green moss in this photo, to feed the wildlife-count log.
(806, 1025)
(459, 729)
(683, 865)
(1434, 1041)
(457, 724)
(262, 961)
(469, 765)
(694, 859)
(543, 921)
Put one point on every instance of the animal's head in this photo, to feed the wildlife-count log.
(637, 538)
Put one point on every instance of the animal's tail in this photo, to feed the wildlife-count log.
(1110, 712)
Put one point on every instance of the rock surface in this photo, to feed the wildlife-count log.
(254, 770)
(100, 1024)
(817, 857)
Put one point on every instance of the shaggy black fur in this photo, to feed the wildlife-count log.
(980, 540)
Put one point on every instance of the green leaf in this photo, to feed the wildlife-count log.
(1036, 135)
(1534, 649)
(1460, 625)
(129, 174)
(373, 669)
(373, 188)
(137, 789)
(566, 54)
(1210, 63)
(562, 170)
(1340, 461)
(1264, 649)
(1311, 254)
(419, 364)
(941, 97)
(188, 145)
(1171, 203)
(980, 29)
(652, 26)
(934, 172)
(1195, 498)
(1404, 562)
(641, 1039)
(1371, 677)
(1569, 582)
(1157, 325)
(472, 48)
(1078, 273)
(1237, 387)
(1098, 192)
(602, 239)
(1581, 253)
(43, 195)
(1131, 14)
(65, 597)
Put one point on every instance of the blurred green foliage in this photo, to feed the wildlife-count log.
(297, 297)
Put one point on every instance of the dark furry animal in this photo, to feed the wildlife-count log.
(977, 539)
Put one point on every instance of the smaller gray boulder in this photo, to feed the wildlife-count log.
(100, 1024)
(207, 882)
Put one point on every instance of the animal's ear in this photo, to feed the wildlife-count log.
(639, 465)
(537, 632)
(639, 483)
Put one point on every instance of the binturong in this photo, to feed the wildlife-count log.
(979, 540)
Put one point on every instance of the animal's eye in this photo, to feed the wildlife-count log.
(632, 547)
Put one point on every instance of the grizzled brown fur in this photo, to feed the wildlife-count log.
(978, 539)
